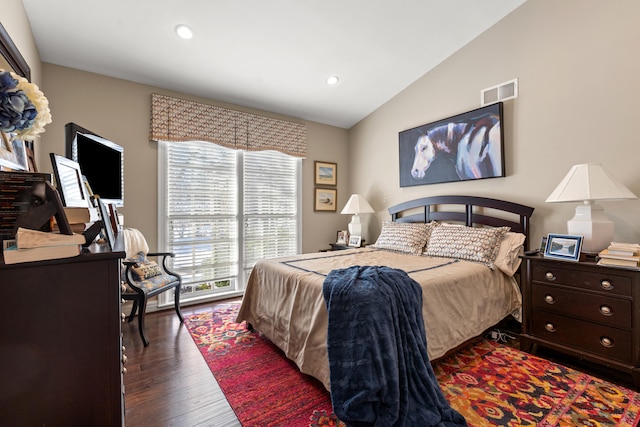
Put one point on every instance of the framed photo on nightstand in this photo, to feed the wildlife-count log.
(543, 244)
(355, 241)
(563, 246)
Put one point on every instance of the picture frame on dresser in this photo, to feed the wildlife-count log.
(563, 246)
(107, 229)
(69, 181)
(13, 153)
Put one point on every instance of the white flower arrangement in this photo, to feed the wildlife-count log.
(24, 110)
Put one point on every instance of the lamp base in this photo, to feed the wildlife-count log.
(355, 227)
(591, 223)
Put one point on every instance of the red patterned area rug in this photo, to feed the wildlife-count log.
(489, 384)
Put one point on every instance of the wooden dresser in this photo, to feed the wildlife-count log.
(584, 310)
(60, 341)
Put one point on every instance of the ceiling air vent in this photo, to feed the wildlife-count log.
(501, 92)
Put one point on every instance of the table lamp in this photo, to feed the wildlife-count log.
(587, 183)
(356, 205)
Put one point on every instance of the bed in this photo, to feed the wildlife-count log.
(466, 289)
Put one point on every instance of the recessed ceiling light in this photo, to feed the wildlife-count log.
(184, 31)
(332, 80)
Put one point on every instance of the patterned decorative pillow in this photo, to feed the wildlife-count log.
(144, 268)
(408, 237)
(467, 243)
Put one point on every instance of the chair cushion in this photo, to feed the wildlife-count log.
(156, 282)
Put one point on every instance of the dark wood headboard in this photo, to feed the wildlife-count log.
(476, 212)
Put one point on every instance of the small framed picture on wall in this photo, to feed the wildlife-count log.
(325, 199)
(326, 173)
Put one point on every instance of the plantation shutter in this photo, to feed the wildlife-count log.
(222, 210)
(270, 206)
(202, 210)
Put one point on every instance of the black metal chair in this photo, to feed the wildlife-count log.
(144, 279)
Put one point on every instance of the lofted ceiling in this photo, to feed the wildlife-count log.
(273, 55)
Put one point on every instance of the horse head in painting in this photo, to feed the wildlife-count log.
(473, 145)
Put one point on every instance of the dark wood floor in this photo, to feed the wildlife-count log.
(169, 383)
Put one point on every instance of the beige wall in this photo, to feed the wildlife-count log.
(14, 20)
(120, 110)
(578, 68)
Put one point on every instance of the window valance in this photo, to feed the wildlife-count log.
(174, 119)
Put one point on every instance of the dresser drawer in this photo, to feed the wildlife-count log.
(603, 281)
(585, 336)
(609, 311)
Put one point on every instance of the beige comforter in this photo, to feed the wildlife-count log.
(284, 301)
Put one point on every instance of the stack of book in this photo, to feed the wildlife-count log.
(621, 255)
(33, 245)
(80, 218)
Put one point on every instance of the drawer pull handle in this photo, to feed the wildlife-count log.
(606, 310)
(549, 299)
(605, 284)
(124, 359)
(550, 327)
(124, 370)
(606, 342)
(550, 276)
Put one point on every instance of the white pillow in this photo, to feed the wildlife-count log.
(508, 258)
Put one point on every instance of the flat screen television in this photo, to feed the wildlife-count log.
(101, 162)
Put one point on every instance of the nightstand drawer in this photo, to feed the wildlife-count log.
(586, 279)
(607, 342)
(609, 311)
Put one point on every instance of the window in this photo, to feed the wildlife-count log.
(221, 210)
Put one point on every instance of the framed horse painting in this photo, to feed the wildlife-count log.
(460, 148)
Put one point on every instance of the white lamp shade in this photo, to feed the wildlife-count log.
(357, 204)
(589, 181)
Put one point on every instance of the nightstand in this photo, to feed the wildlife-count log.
(341, 247)
(584, 310)
(338, 247)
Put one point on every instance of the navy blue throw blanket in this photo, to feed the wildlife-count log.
(379, 368)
